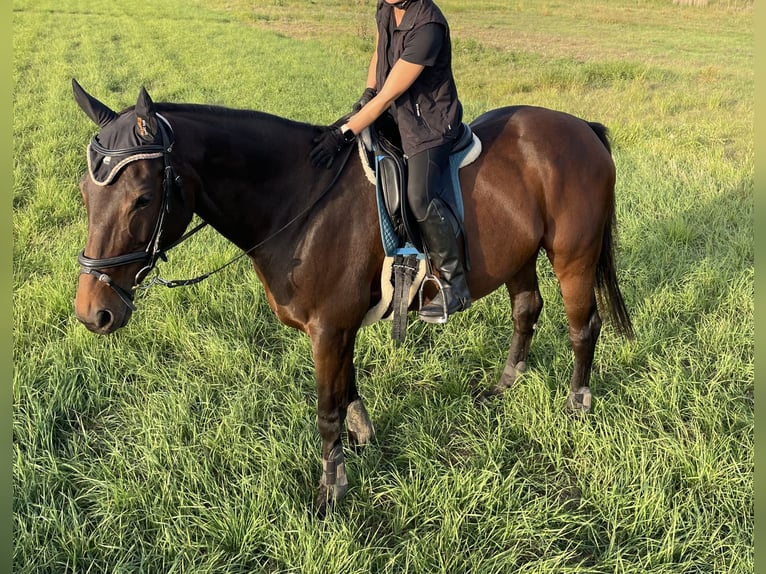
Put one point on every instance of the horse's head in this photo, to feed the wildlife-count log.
(135, 208)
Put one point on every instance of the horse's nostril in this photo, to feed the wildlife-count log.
(103, 319)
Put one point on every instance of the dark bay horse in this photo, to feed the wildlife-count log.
(544, 180)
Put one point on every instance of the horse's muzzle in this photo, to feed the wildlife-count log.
(98, 307)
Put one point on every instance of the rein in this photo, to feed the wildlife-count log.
(153, 252)
(157, 280)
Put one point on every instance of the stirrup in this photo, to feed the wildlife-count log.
(445, 316)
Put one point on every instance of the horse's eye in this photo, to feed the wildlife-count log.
(143, 201)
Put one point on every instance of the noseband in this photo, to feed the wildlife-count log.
(152, 252)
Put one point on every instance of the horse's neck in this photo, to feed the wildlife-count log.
(253, 173)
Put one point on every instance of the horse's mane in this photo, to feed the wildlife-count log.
(222, 112)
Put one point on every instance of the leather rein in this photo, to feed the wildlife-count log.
(153, 251)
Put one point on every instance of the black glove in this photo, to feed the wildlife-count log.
(368, 94)
(327, 145)
(340, 121)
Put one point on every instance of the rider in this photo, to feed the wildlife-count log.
(410, 77)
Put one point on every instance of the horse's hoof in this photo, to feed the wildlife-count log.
(579, 401)
(360, 429)
(489, 395)
(334, 482)
(504, 383)
(327, 498)
(508, 378)
(492, 394)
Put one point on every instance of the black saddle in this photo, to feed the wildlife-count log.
(391, 172)
(399, 229)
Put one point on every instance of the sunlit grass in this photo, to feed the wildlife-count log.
(187, 442)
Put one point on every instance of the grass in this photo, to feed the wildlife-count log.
(187, 442)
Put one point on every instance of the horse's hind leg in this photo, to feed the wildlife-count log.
(584, 329)
(526, 304)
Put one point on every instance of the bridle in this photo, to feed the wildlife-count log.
(153, 251)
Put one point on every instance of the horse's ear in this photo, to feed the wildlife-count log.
(95, 110)
(146, 116)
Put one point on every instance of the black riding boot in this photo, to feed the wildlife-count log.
(439, 236)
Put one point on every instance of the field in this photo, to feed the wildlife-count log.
(187, 441)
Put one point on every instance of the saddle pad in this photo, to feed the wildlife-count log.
(387, 232)
(458, 160)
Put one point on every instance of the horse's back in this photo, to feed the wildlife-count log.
(545, 132)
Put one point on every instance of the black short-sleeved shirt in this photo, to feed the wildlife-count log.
(429, 112)
(423, 46)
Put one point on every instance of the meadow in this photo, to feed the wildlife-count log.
(187, 441)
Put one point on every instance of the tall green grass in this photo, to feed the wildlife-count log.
(187, 442)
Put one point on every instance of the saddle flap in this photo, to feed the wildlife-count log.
(391, 176)
(391, 183)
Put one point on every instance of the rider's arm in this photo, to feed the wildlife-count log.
(401, 77)
(421, 50)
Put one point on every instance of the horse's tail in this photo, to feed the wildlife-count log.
(607, 288)
(603, 134)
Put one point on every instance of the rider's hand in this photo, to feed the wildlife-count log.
(326, 146)
(368, 94)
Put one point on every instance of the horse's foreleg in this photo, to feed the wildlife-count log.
(358, 424)
(526, 304)
(333, 351)
(584, 329)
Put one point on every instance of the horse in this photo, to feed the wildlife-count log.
(544, 181)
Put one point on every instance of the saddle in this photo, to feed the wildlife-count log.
(399, 228)
(391, 183)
